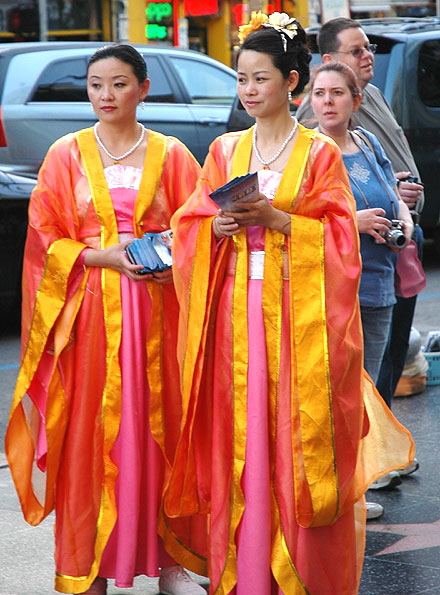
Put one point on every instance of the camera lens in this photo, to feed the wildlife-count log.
(395, 238)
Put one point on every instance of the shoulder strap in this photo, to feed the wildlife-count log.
(367, 141)
(365, 138)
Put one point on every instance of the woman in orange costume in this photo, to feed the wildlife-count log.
(271, 347)
(96, 409)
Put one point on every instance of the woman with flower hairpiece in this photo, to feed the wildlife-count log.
(270, 346)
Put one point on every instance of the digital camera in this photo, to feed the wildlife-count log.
(395, 236)
(411, 179)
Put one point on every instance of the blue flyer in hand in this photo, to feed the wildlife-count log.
(153, 250)
(240, 189)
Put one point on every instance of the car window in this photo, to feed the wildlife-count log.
(62, 80)
(160, 89)
(381, 65)
(65, 80)
(428, 73)
(205, 83)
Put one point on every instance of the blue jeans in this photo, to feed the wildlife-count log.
(398, 342)
(376, 325)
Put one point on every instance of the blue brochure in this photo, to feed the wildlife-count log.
(240, 189)
(153, 250)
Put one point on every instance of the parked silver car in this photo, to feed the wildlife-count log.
(43, 96)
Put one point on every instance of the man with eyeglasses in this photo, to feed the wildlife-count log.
(344, 40)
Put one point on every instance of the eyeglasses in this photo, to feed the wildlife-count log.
(357, 53)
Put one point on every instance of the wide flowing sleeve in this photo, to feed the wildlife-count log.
(198, 269)
(53, 222)
(334, 398)
(325, 397)
(52, 287)
(194, 245)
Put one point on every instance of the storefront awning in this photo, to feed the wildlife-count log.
(195, 8)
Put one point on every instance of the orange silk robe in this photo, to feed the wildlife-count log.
(319, 469)
(70, 380)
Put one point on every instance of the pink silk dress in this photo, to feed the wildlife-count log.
(254, 542)
(134, 546)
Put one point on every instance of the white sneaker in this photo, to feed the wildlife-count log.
(374, 510)
(413, 466)
(387, 482)
(175, 581)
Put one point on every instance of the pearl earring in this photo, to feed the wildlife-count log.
(289, 95)
(91, 108)
(142, 104)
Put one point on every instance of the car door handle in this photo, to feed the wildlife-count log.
(211, 121)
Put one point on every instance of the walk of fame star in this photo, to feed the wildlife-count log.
(415, 536)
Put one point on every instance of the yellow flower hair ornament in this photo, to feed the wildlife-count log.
(277, 20)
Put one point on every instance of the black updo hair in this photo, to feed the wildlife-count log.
(297, 56)
(124, 52)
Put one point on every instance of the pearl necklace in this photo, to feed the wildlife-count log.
(280, 150)
(124, 155)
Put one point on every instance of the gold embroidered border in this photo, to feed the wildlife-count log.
(311, 393)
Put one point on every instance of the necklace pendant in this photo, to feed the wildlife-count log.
(116, 162)
(266, 167)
